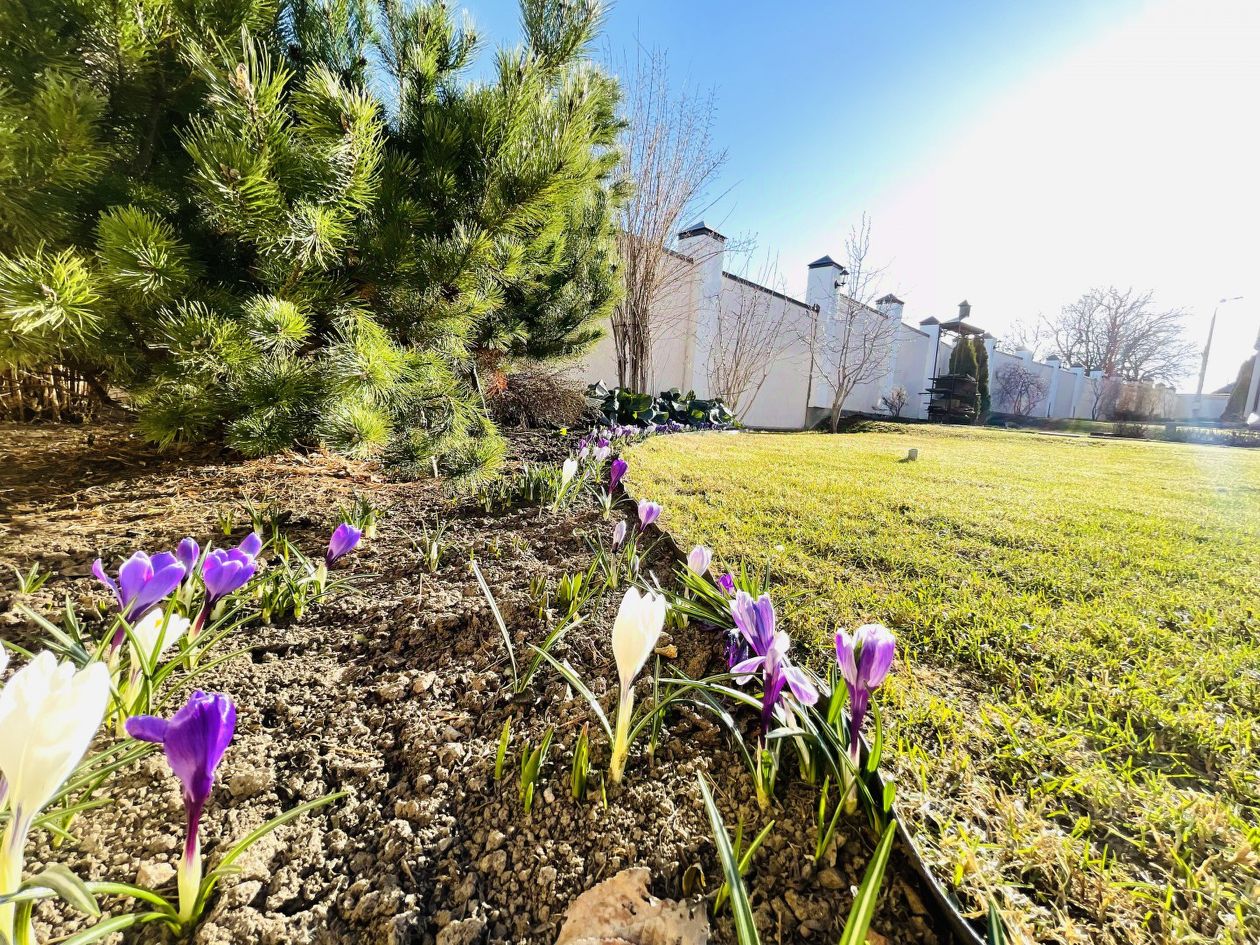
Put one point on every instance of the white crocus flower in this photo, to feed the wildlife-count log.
(153, 636)
(49, 713)
(640, 620)
(568, 471)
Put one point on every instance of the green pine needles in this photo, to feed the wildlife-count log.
(301, 224)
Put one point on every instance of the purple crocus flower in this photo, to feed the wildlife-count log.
(195, 739)
(649, 512)
(619, 534)
(727, 583)
(343, 541)
(755, 621)
(616, 471)
(768, 648)
(224, 572)
(865, 657)
(143, 583)
(188, 553)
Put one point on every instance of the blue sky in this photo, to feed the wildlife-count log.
(1013, 153)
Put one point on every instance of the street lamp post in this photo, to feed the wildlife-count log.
(1207, 350)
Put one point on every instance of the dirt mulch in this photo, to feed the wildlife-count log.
(396, 693)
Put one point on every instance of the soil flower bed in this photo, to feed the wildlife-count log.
(1074, 731)
(384, 703)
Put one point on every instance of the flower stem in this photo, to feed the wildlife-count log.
(12, 850)
(189, 872)
(621, 735)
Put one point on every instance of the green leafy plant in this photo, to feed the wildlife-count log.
(743, 858)
(741, 908)
(32, 580)
(580, 774)
(532, 760)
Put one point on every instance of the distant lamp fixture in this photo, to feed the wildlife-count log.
(844, 277)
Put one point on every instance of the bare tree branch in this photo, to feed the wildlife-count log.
(1122, 334)
(750, 334)
(855, 347)
(669, 159)
(1020, 390)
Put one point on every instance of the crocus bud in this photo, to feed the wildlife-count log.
(616, 472)
(638, 626)
(345, 538)
(188, 554)
(153, 636)
(568, 471)
(49, 713)
(649, 512)
(619, 534)
(699, 559)
(865, 657)
(195, 739)
(727, 583)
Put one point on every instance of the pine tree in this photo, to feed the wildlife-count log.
(982, 375)
(962, 359)
(224, 220)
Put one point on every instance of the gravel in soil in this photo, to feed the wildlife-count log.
(395, 692)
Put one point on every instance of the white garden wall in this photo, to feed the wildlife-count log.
(696, 293)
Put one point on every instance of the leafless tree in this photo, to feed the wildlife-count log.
(1020, 389)
(1022, 336)
(750, 335)
(853, 347)
(1121, 333)
(669, 160)
(895, 400)
(1107, 391)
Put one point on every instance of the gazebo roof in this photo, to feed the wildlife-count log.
(961, 327)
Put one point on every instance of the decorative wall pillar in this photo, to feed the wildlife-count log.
(1078, 384)
(822, 293)
(706, 247)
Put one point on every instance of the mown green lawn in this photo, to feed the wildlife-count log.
(1076, 705)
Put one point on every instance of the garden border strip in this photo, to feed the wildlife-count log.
(946, 903)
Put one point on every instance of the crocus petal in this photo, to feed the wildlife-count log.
(744, 670)
(619, 534)
(801, 687)
(147, 728)
(877, 649)
(846, 647)
(616, 472)
(568, 471)
(98, 571)
(251, 545)
(132, 576)
(49, 713)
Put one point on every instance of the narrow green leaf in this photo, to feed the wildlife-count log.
(863, 910)
(741, 908)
